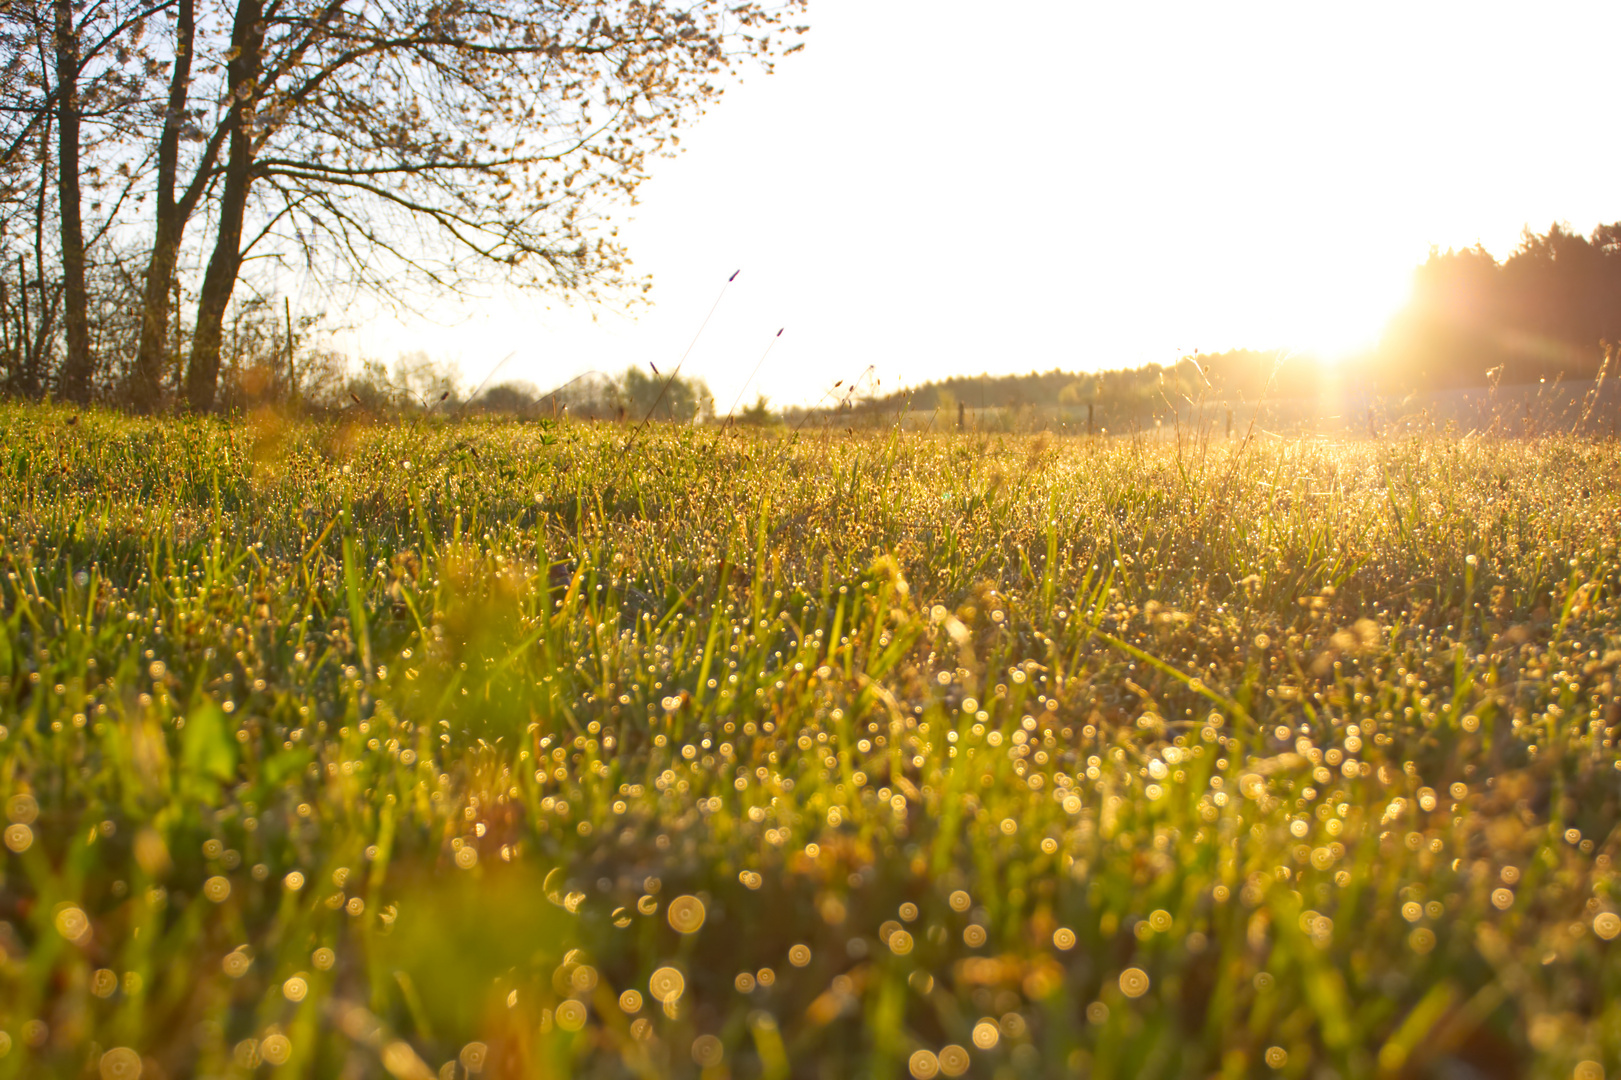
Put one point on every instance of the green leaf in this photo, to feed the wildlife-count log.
(207, 753)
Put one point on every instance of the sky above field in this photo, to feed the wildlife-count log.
(956, 188)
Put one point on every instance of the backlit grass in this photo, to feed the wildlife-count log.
(444, 749)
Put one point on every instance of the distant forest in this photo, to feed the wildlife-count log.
(1550, 311)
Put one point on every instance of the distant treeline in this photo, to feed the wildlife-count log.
(1111, 400)
(631, 395)
(1550, 311)
(1239, 375)
(1547, 311)
(416, 384)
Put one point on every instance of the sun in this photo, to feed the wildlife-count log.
(1349, 313)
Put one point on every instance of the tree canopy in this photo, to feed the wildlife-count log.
(408, 147)
(1547, 311)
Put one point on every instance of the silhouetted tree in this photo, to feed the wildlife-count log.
(403, 140)
(666, 397)
(1543, 312)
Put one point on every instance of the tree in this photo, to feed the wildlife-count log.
(403, 142)
(66, 65)
(515, 398)
(666, 397)
(426, 381)
(1078, 392)
(389, 144)
(171, 213)
(30, 303)
(76, 369)
(759, 414)
(1543, 312)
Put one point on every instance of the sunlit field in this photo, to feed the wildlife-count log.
(439, 750)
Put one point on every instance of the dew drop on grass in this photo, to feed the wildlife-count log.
(276, 1049)
(1134, 982)
(570, 1015)
(667, 984)
(686, 914)
(923, 1065)
(120, 1063)
(72, 923)
(707, 1051)
(22, 809)
(954, 1060)
(473, 1056)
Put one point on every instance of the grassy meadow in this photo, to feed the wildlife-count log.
(495, 749)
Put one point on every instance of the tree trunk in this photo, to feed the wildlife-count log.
(37, 335)
(242, 73)
(147, 382)
(202, 372)
(25, 350)
(75, 381)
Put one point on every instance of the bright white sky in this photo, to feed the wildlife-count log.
(955, 187)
